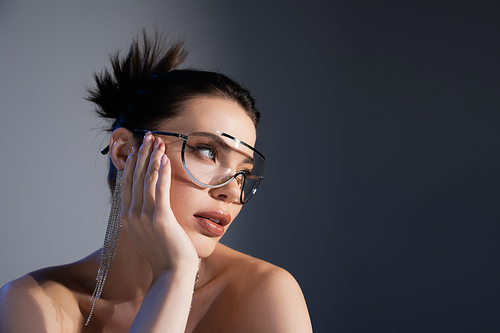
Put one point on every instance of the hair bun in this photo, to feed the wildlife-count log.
(116, 88)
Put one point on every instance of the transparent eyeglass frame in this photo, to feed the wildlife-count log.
(244, 197)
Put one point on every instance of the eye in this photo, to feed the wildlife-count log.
(204, 151)
(247, 169)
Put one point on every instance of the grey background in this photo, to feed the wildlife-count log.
(380, 128)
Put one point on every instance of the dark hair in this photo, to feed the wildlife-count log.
(144, 88)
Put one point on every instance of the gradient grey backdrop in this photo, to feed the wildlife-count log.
(379, 124)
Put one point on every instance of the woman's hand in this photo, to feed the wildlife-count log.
(146, 213)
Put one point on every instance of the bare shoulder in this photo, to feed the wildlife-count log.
(253, 271)
(256, 272)
(270, 299)
(39, 302)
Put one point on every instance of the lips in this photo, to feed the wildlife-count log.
(213, 221)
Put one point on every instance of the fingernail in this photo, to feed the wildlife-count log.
(164, 160)
(157, 143)
(132, 150)
(148, 138)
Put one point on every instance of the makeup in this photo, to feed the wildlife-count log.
(213, 222)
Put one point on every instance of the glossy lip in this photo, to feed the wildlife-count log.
(207, 221)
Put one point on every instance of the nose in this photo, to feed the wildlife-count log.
(229, 192)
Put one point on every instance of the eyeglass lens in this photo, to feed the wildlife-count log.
(213, 161)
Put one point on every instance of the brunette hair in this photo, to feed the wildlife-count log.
(144, 88)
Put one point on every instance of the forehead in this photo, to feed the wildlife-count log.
(212, 115)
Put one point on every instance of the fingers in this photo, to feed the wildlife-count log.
(140, 172)
(162, 191)
(139, 179)
(151, 178)
(127, 183)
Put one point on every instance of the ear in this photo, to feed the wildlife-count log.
(119, 146)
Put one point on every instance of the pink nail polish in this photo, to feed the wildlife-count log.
(148, 138)
(157, 143)
(164, 160)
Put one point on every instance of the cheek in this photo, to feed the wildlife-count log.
(185, 195)
(179, 188)
(235, 211)
(178, 173)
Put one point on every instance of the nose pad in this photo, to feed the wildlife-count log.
(229, 192)
(239, 177)
(223, 180)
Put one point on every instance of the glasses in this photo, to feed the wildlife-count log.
(207, 159)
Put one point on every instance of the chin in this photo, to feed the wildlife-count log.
(204, 245)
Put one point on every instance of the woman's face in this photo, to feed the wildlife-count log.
(196, 207)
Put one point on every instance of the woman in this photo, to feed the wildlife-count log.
(182, 165)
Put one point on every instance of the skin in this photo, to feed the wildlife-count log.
(150, 285)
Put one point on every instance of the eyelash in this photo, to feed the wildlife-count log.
(211, 149)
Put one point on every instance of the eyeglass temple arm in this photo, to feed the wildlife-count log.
(182, 136)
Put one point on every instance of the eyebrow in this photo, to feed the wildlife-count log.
(218, 139)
